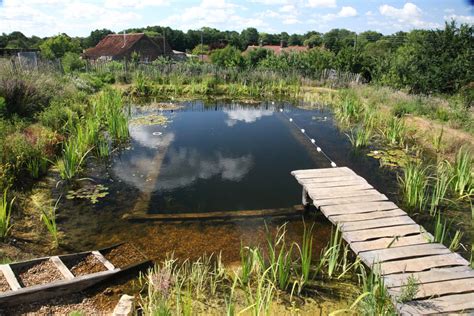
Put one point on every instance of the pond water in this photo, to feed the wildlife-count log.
(206, 157)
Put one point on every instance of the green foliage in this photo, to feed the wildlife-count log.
(58, 46)
(414, 184)
(72, 62)
(201, 49)
(227, 57)
(3, 107)
(48, 216)
(5, 214)
(462, 172)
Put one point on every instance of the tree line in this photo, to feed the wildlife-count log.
(423, 61)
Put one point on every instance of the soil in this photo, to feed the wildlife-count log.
(86, 265)
(124, 255)
(41, 273)
(4, 286)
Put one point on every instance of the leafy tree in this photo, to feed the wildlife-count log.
(295, 39)
(249, 36)
(57, 46)
(254, 56)
(313, 41)
(227, 57)
(201, 50)
(72, 62)
(336, 39)
(95, 37)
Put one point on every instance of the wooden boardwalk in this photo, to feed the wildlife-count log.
(385, 237)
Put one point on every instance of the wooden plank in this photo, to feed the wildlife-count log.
(438, 288)
(377, 223)
(382, 255)
(67, 274)
(331, 194)
(104, 261)
(393, 231)
(420, 264)
(324, 191)
(361, 207)
(10, 277)
(335, 184)
(367, 197)
(444, 304)
(331, 179)
(336, 219)
(320, 172)
(383, 243)
(433, 275)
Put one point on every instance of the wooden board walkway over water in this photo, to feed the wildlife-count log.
(385, 237)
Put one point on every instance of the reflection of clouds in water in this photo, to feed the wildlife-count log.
(144, 136)
(181, 168)
(245, 115)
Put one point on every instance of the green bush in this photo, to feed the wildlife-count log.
(405, 107)
(3, 106)
(72, 62)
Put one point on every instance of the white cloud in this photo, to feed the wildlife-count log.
(133, 3)
(345, 12)
(460, 18)
(322, 3)
(245, 115)
(369, 13)
(289, 8)
(408, 15)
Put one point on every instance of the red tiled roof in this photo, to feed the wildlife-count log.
(113, 45)
(277, 49)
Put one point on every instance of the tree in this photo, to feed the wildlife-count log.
(57, 46)
(201, 50)
(313, 41)
(254, 56)
(295, 39)
(95, 37)
(336, 39)
(227, 57)
(72, 62)
(249, 36)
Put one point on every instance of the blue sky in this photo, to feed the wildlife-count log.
(78, 18)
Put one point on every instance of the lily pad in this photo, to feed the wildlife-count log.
(152, 119)
(89, 192)
(392, 157)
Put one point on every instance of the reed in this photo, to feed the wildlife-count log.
(259, 299)
(360, 137)
(377, 302)
(246, 264)
(463, 177)
(440, 229)
(413, 184)
(5, 214)
(73, 156)
(48, 216)
(349, 110)
(441, 185)
(455, 243)
(395, 132)
(279, 256)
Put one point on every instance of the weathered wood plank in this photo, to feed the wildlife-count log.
(361, 207)
(10, 277)
(383, 243)
(336, 184)
(67, 274)
(104, 261)
(438, 288)
(315, 194)
(424, 263)
(331, 179)
(433, 275)
(444, 304)
(336, 219)
(322, 172)
(382, 255)
(377, 223)
(324, 191)
(373, 196)
(393, 231)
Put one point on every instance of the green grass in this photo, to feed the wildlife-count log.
(413, 183)
(440, 229)
(48, 216)
(462, 170)
(360, 136)
(395, 132)
(5, 214)
(442, 180)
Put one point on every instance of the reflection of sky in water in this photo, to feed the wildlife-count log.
(249, 115)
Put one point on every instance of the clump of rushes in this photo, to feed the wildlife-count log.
(306, 252)
(48, 217)
(360, 137)
(280, 258)
(395, 131)
(442, 181)
(377, 300)
(73, 156)
(456, 241)
(5, 214)
(440, 229)
(108, 106)
(350, 109)
(413, 183)
(462, 170)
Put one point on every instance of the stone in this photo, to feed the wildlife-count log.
(125, 306)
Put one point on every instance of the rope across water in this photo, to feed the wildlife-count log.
(312, 140)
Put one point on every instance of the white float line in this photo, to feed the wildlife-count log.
(312, 140)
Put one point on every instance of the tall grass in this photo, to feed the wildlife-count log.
(48, 216)
(73, 156)
(5, 214)
(350, 109)
(440, 229)
(360, 136)
(463, 178)
(279, 256)
(395, 132)
(414, 183)
(442, 180)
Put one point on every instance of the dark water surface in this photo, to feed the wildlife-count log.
(211, 157)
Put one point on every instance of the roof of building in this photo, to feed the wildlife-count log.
(114, 44)
(278, 49)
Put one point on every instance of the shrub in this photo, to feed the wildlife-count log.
(404, 107)
(3, 107)
(72, 62)
(22, 97)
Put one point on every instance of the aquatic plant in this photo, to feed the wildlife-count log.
(462, 171)
(440, 229)
(279, 258)
(5, 214)
(413, 184)
(456, 241)
(305, 252)
(395, 131)
(259, 298)
(246, 264)
(349, 109)
(377, 302)
(73, 156)
(442, 180)
(89, 192)
(360, 137)
(48, 216)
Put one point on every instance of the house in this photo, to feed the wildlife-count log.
(278, 49)
(123, 46)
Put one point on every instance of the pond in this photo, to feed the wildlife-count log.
(207, 157)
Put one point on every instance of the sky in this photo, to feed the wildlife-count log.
(79, 18)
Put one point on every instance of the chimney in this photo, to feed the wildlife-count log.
(283, 44)
(124, 40)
